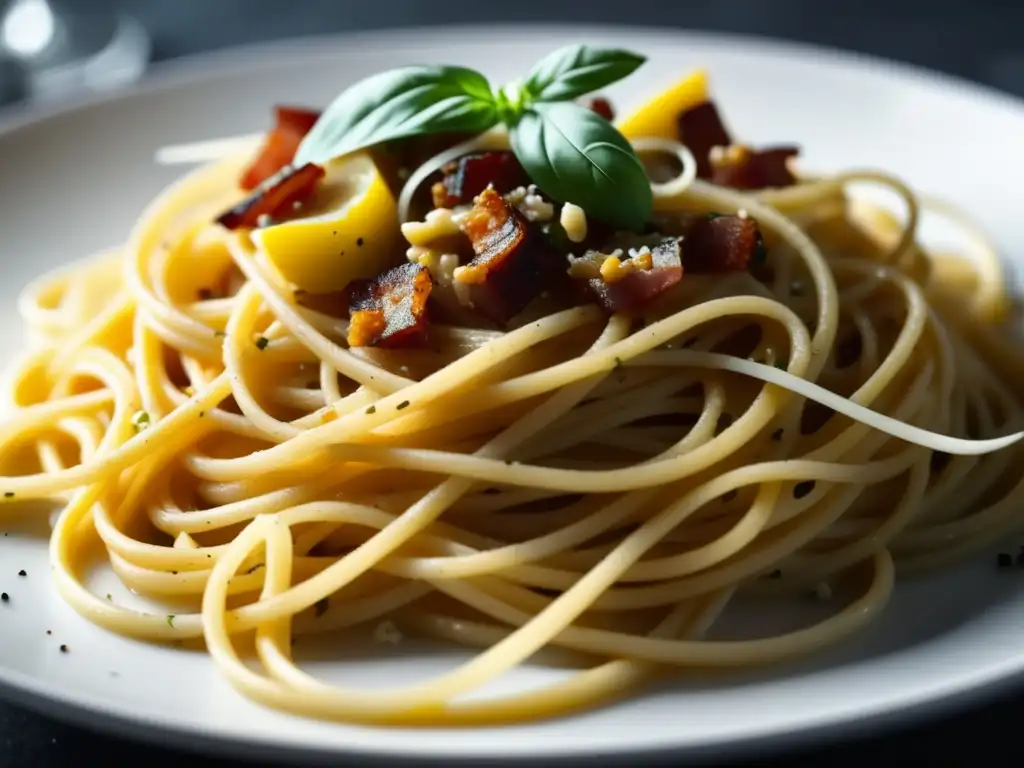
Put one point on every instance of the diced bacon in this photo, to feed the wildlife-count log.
(274, 197)
(470, 175)
(749, 169)
(514, 261)
(391, 309)
(278, 150)
(637, 287)
(602, 107)
(711, 244)
(701, 129)
(722, 244)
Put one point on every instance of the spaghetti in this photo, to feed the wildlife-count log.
(603, 483)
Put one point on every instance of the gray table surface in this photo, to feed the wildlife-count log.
(979, 40)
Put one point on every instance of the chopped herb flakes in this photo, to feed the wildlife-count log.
(254, 568)
(8, 494)
(140, 421)
(261, 342)
(401, 405)
(170, 619)
(371, 410)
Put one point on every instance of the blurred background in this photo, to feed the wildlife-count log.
(56, 50)
(50, 49)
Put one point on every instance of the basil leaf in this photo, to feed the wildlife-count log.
(403, 102)
(576, 156)
(578, 69)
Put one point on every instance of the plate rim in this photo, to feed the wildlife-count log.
(896, 712)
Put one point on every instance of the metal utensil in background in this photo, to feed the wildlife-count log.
(58, 50)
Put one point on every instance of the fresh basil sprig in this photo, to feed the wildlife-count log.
(402, 102)
(570, 153)
(575, 155)
(576, 70)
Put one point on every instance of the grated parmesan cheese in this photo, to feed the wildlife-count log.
(574, 222)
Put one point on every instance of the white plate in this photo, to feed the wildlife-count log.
(74, 181)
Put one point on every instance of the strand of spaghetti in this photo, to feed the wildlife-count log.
(30, 419)
(307, 593)
(431, 506)
(148, 234)
(352, 366)
(611, 680)
(453, 378)
(632, 478)
(43, 485)
(799, 194)
(428, 702)
(825, 288)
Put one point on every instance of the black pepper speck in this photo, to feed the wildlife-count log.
(22, 572)
(64, 649)
(320, 607)
(5, 597)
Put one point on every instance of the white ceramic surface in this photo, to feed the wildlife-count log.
(74, 181)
